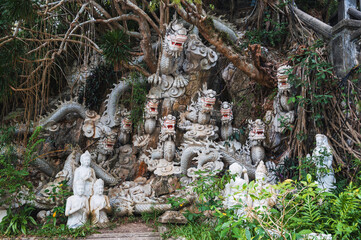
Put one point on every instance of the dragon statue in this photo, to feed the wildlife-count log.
(182, 53)
(151, 114)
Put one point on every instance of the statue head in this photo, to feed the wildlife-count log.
(226, 112)
(236, 168)
(175, 37)
(207, 100)
(78, 188)
(261, 173)
(99, 187)
(282, 77)
(256, 130)
(168, 124)
(321, 140)
(126, 122)
(109, 139)
(85, 159)
(151, 108)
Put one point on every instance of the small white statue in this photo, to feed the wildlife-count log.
(322, 157)
(234, 192)
(77, 207)
(85, 173)
(99, 205)
(263, 204)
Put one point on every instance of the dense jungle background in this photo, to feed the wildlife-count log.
(55, 51)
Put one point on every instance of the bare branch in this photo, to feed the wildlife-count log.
(142, 13)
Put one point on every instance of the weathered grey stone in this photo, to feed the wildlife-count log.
(172, 217)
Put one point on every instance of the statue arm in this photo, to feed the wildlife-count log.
(69, 210)
(107, 208)
(68, 207)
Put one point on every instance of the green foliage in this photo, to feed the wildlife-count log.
(137, 98)
(13, 173)
(265, 36)
(17, 221)
(318, 81)
(49, 230)
(58, 194)
(115, 46)
(97, 85)
(15, 10)
(193, 230)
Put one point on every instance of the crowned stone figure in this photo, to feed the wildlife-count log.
(99, 205)
(85, 173)
(322, 157)
(77, 206)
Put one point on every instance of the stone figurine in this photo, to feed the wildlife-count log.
(322, 157)
(261, 205)
(77, 206)
(234, 192)
(256, 137)
(99, 205)
(85, 173)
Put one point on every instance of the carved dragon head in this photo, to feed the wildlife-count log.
(226, 112)
(107, 142)
(256, 130)
(151, 108)
(126, 122)
(175, 38)
(168, 125)
(282, 77)
(207, 100)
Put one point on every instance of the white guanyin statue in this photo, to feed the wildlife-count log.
(77, 206)
(234, 192)
(322, 157)
(263, 204)
(99, 205)
(85, 173)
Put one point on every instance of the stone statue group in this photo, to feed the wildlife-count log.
(88, 199)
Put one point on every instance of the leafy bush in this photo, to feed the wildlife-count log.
(18, 221)
(115, 46)
(14, 173)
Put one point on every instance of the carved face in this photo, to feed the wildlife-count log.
(108, 142)
(126, 124)
(85, 159)
(79, 189)
(98, 188)
(226, 112)
(175, 38)
(152, 107)
(207, 101)
(282, 78)
(257, 130)
(321, 140)
(168, 125)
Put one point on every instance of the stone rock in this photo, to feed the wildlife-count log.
(173, 217)
(2, 213)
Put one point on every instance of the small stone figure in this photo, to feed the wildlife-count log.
(262, 204)
(77, 206)
(322, 157)
(99, 205)
(234, 192)
(85, 173)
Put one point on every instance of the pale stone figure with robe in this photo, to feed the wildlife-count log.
(322, 157)
(234, 192)
(263, 204)
(99, 205)
(77, 207)
(85, 173)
